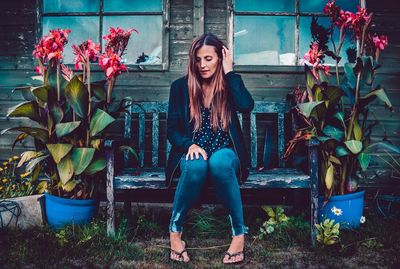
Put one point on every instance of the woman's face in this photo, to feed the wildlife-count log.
(207, 61)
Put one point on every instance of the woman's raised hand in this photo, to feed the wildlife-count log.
(227, 60)
(195, 150)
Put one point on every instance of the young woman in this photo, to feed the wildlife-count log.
(207, 141)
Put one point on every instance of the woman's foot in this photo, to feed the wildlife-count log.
(178, 248)
(235, 253)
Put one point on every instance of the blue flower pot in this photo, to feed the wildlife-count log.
(63, 211)
(345, 209)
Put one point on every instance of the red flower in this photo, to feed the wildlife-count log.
(111, 64)
(380, 42)
(314, 56)
(52, 45)
(344, 18)
(358, 21)
(118, 39)
(85, 52)
(332, 10)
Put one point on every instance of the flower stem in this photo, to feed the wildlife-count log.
(58, 82)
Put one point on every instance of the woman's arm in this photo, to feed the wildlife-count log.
(240, 97)
(175, 120)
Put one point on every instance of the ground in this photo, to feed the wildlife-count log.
(141, 241)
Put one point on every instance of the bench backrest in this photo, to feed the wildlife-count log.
(155, 108)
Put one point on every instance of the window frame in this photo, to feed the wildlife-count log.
(271, 68)
(165, 13)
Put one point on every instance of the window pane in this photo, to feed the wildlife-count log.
(265, 5)
(129, 5)
(318, 5)
(264, 40)
(82, 28)
(305, 39)
(71, 6)
(148, 41)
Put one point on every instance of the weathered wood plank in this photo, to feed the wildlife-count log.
(274, 178)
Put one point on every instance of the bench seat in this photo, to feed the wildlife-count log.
(145, 179)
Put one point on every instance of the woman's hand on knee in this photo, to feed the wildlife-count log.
(196, 151)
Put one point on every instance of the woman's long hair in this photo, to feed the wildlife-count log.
(220, 113)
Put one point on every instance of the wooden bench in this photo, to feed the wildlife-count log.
(147, 184)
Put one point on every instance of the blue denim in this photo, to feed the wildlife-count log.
(221, 168)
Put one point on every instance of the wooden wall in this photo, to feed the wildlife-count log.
(17, 38)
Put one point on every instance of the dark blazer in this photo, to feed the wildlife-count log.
(180, 130)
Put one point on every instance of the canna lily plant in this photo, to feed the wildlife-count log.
(70, 114)
(336, 113)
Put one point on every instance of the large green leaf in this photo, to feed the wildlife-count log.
(98, 89)
(354, 146)
(311, 80)
(333, 94)
(380, 93)
(329, 176)
(25, 92)
(367, 74)
(26, 109)
(357, 131)
(384, 145)
(77, 96)
(81, 158)
(349, 72)
(307, 108)
(41, 93)
(340, 116)
(70, 185)
(56, 112)
(100, 120)
(58, 151)
(65, 169)
(26, 156)
(96, 166)
(364, 159)
(341, 151)
(38, 133)
(66, 128)
(51, 77)
(32, 164)
(333, 132)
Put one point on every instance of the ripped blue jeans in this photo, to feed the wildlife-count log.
(221, 168)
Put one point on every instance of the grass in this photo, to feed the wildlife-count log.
(142, 242)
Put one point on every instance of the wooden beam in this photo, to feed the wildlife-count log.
(198, 18)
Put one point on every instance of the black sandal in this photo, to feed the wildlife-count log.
(179, 254)
(234, 255)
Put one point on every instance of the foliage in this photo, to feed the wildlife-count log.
(277, 219)
(337, 115)
(328, 232)
(13, 183)
(69, 114)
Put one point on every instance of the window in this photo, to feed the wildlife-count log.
(278, 32)
(93, 18)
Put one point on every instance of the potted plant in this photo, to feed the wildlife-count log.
(336, 113)
(20, 205)
(70, 113)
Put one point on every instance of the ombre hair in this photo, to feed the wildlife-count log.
(220, 113)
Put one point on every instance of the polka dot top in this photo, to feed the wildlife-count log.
(207, 139)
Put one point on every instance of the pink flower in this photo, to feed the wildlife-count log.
(344, 18)
(358, 21)
(380, 42)
(118, 39)
(332, 10)
(111, 64)
(314, 54)
(85, 52)
(52, 45)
